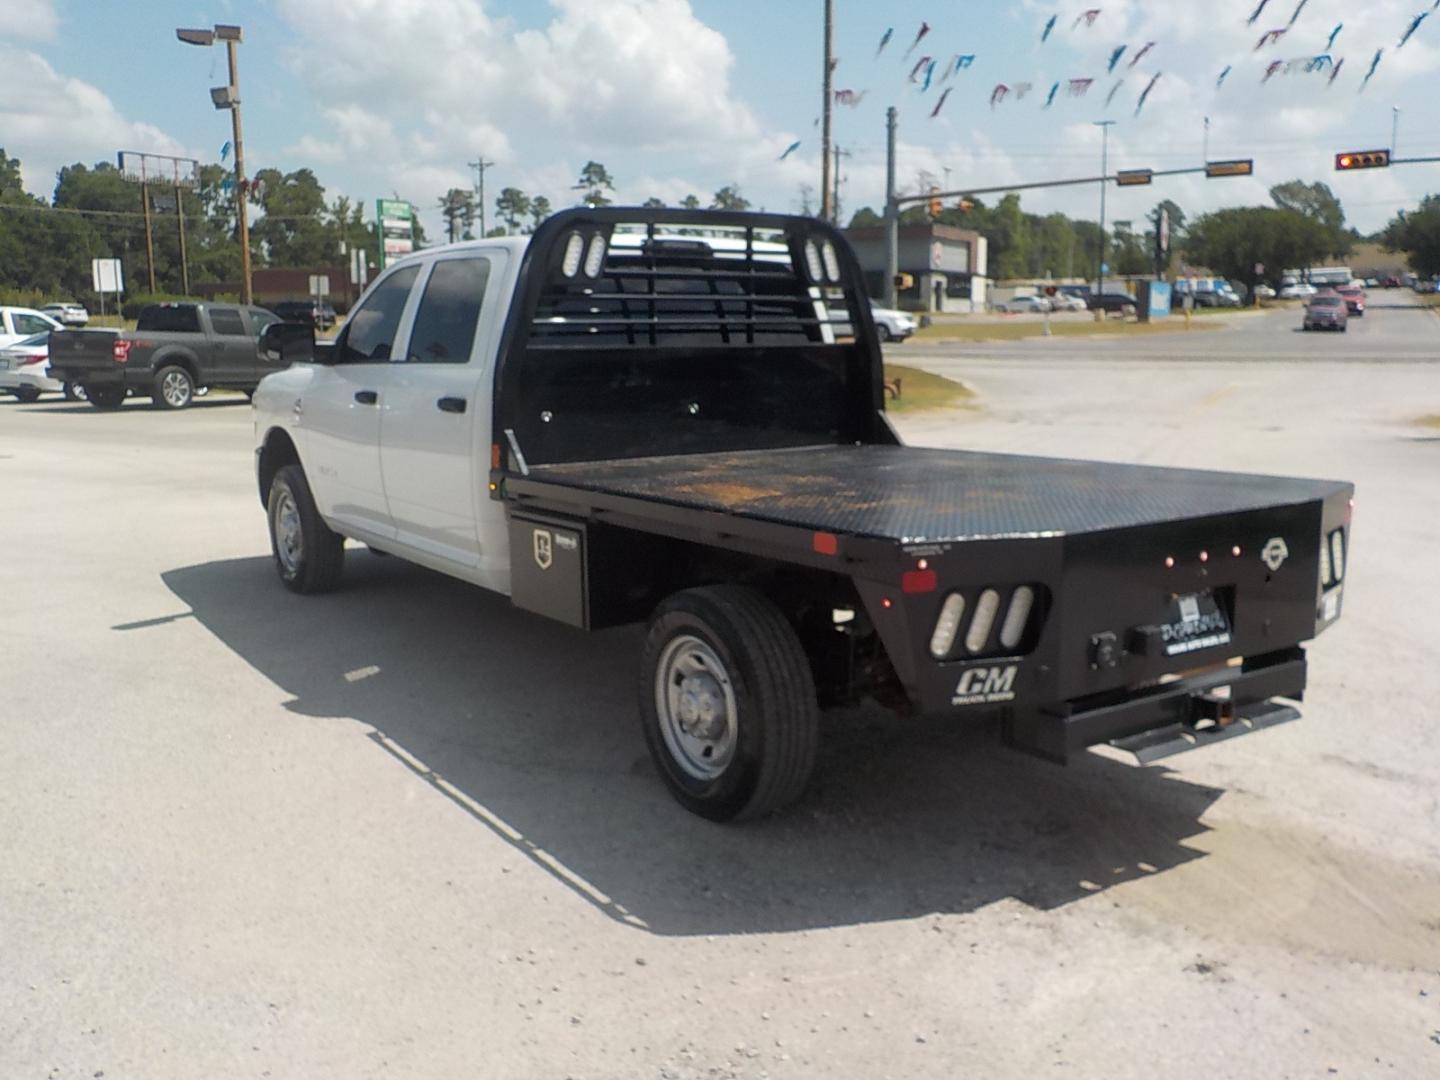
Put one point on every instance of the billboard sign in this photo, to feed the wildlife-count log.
(159, 169)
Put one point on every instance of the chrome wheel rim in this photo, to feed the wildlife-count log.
(695, 701)
(175, 388)
(289, 537)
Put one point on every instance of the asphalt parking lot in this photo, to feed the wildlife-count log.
(406, 831)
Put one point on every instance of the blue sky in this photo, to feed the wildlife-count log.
(387, 97)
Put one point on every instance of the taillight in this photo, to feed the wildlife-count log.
(120, 351)
(32, 360)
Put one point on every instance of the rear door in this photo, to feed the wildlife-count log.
(340, 410)
(434, 421)
(231, 347)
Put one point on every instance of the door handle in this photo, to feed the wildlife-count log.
(366, 397)
(451, 404)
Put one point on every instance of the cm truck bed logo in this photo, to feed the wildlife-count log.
(985, 686)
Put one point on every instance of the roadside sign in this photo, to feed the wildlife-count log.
(1259, 268)
(319, 284)
(395, 219)
(106, 276)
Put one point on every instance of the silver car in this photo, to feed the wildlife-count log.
(67, 314)
(1022, 304)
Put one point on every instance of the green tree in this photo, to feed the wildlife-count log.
(1417, 234)
(596, 180)
(1317, 202)
(457, 207)
(540, 209)
(654, 203)
(729, 198)
(865, 218)
(512, 204)
(293, 231)
(1232, 242)
(690, 202)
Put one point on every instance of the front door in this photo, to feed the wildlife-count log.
(340, 410)
(232, 358)
(433, 467)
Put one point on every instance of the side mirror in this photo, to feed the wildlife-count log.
(286, 343)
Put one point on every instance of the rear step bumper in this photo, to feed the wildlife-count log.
(1174, 717)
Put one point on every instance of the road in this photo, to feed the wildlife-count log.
(406, 831)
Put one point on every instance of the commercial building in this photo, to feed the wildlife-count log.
(948, 266)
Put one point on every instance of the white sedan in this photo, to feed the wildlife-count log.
(25, 370)
(1067, 302)
(1018, 304)
(892, 325)
(1301, 290)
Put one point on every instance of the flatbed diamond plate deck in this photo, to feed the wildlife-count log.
(918, 495)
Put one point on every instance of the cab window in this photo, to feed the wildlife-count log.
(369, 335)
(444, 330)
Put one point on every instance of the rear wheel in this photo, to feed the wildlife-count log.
(174, 388)
(309, 556)
(27, 394)
(74, 391)
(727, 701)
(105, 397)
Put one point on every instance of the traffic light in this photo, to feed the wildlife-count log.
(1133, 177)
(935, 205)
(1362, 159)
(1237, 167)
(904, 281)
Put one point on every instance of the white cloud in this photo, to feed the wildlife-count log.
(33, 20)
(60, 120)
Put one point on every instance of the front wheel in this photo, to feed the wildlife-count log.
(884, 332)
(309, 556)
(174, 388)
(27, 394)
(728, 704)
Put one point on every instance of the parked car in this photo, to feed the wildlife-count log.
(1023, 304)
(1325, 311)
(318, 313)
(175, 353)
(1354, 298)
(892, 325)
(1299, 290)
(1264, 292)
(1063, 301)
(19, 322)
(69, 314)
(1112, 303)
(25, 370)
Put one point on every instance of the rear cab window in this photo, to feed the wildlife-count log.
(445, 325)
(170, 318)
(227, 321)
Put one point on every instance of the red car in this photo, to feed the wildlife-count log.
(1354, 298)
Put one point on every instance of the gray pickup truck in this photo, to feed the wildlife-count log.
(174, 351)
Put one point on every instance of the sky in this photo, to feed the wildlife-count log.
(392, 98)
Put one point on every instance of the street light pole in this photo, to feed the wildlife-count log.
(827, 207)
(1394, 126)
(892, 212)
(228, 97)
(1104, 126)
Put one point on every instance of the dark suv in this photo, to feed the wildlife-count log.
(318, 313)
(1111, 302)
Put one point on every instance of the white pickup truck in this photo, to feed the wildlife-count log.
(646, 416)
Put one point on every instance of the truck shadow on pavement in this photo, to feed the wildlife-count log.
(530, 728)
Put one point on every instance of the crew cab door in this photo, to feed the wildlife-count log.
(339, 411)
(434, 417)
(228, 357)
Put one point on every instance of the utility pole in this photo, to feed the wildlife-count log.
(145, 206)
(1394, 126)
(480, 165)
(835, 182)
(1104, 126)
(892, 211)
(827, 207)
(180, 223)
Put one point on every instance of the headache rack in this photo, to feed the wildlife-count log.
(639, 331)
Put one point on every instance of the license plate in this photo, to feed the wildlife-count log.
(1197, 621)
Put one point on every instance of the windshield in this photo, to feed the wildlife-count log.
(1326, 301)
